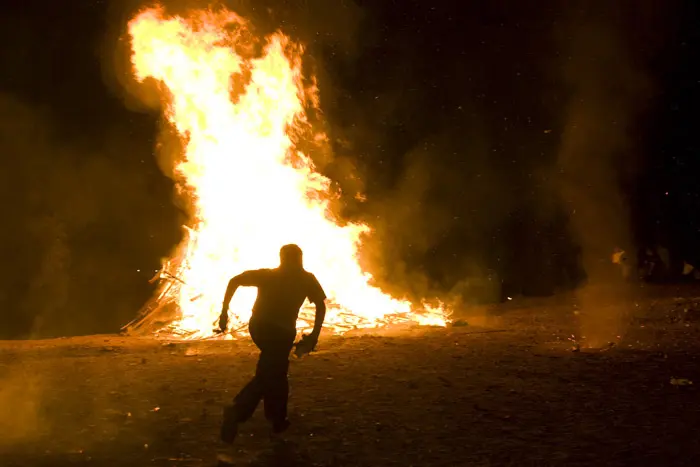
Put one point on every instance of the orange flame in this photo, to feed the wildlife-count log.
(249, 199)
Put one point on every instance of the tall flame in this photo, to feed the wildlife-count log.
(236, 171)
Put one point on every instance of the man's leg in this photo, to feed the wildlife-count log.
(248, 398)
(274, 364)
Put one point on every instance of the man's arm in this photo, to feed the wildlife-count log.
(317, 296)
(320, 316)
(233, 284)
(248, 278)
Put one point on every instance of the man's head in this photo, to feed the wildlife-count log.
(291, 257)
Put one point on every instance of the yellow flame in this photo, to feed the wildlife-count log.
(248, 198)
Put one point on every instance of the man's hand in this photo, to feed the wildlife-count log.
(223, 320)
(306, 344)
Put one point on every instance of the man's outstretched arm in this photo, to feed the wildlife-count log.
(233, 284)
(247, 278)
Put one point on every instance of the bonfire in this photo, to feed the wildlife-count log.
(236, 101)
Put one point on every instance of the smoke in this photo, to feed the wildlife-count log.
(431, 227)
(609, 89)
(430, 129)
(82, 227)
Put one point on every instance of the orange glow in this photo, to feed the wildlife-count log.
(236, 172)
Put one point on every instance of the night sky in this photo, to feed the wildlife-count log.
(498, 142)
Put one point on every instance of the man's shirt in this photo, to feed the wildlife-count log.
(281, 294)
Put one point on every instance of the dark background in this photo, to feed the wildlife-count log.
(504, 147)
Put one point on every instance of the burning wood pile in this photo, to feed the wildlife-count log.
(234, 100)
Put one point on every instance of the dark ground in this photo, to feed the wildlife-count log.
(504, 390)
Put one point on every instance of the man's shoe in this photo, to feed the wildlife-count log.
(229, 427)
(280, 426)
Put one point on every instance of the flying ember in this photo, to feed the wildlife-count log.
(250, 189)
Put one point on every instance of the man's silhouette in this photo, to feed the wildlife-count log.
(281, 293)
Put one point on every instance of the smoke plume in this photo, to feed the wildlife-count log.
(608, 91)
(83, 226)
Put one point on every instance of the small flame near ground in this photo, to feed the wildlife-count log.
(251, 189)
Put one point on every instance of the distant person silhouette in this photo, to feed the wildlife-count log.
(281, 293)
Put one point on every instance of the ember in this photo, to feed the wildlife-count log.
(236, 172)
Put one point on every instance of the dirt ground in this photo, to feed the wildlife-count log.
(506, 388)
